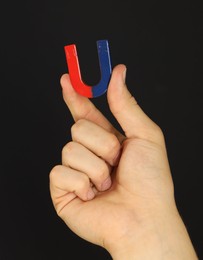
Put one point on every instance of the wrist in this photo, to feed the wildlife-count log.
(161, 238)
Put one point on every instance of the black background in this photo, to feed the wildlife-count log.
(158, 41)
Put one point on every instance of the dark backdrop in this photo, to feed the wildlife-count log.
(158, 41)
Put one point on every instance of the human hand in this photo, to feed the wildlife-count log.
(115, 190)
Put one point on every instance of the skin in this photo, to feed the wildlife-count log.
(115, 189)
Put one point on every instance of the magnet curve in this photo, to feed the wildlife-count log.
(75, 74)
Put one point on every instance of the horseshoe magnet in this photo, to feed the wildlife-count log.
(75, 75)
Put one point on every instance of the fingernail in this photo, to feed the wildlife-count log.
(124, 75)
(106, 184)
(90, 194)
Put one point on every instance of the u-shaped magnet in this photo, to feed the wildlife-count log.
(75, 74)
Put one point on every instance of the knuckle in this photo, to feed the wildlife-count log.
(113, 145)
(83, 182)
(103, 172)
(72, 129)
(54, 173)
(78, 125)
(68, 148)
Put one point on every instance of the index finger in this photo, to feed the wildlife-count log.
(82, 108)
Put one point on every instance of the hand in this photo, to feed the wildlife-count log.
(115, 189)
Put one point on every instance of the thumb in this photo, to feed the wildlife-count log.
(132, 119)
